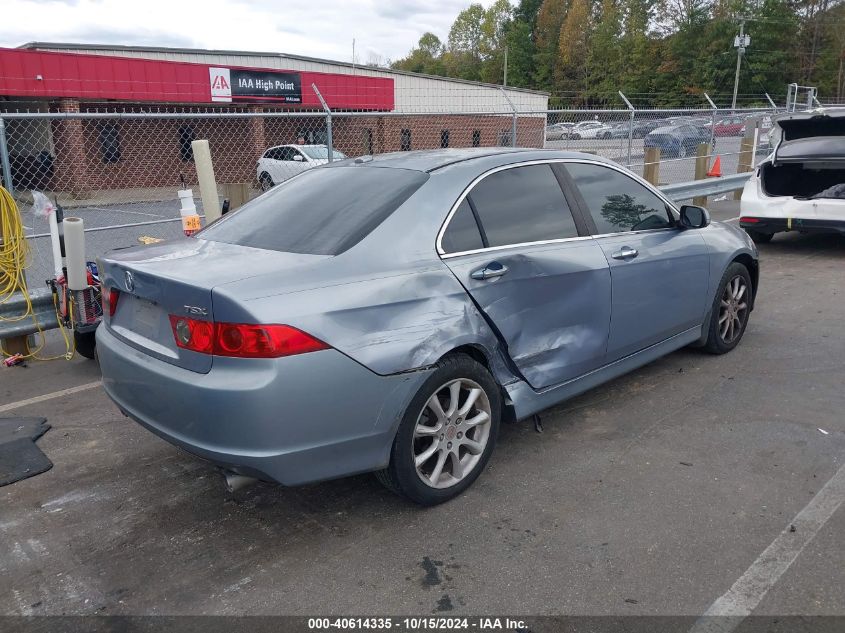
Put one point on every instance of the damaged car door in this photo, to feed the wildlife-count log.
(530, 266)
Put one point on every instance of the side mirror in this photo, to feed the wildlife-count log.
(693, 217)
(298, 158)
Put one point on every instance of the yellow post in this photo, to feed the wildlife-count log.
(651, 166)
(702, 159)
(746, 160)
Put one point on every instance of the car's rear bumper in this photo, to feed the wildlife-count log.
(779, 225)
(291, 420)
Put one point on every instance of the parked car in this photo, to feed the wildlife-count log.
(386, 314)
(678, 140)
(587, 129)
(801, 185)
(279, 163)
(730, 126)
(558, 131)
(621, 130)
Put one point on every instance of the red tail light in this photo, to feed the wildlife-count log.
(242, 340)
(109, 297)
(749, 220)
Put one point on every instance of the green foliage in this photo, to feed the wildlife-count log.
(658, 52)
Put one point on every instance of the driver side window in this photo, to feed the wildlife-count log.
(616, 202)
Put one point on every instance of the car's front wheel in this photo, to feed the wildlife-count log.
(731, 309)
(447, 433)
(265, 181)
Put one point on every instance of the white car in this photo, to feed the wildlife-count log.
(588, 129)
(801, 185)
(281, 162)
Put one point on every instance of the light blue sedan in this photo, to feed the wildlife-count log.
(388, 313)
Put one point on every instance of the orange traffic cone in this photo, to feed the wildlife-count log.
(716, 169)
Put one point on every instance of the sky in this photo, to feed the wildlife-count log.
(383, 30)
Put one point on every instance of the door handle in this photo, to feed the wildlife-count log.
(626, 253)
(490, 271)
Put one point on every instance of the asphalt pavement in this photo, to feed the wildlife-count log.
(652, 495)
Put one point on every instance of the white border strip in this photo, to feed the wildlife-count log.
(745, 595)
(49, 396)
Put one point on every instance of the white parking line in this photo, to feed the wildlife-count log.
(732, 220)
(747, 592)
(49, 396)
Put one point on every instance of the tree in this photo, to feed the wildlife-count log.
(426, 58)
(572, 71)
(547, 37)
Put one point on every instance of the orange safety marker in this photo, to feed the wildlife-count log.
(716, 169)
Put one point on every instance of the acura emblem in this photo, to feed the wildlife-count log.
(130, 283)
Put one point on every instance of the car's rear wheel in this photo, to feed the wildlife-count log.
(447, 433)
(266, 181)
(759, 237)
(731, 309)
(575, 137)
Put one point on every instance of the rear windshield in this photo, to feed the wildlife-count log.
(323, 211)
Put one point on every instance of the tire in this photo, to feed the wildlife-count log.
(760, 237)
(265, 181)
(446, 440)
(735, 290)
(574, 137)
(85, 344)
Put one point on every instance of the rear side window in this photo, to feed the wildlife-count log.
(616, 202)
(462, 234)
(323, 211)
(522, 204)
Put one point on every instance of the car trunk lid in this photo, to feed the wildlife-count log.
(811, 137)
(178, 278)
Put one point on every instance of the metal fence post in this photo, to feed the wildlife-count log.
(513, 123)
(328, 121)
(774, 105)
(712, 119)
(4, 159)
(630, 126)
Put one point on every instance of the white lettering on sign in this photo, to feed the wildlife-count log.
(221, 84)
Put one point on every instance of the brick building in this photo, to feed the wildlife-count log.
(241, 102)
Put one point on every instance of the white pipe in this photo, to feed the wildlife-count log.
(54, 242)
(205, 176)
(77, 274)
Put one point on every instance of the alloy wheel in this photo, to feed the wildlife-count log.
(451, 433)
(733, 309)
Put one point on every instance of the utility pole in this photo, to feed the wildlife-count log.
(505, 82)
(740, 42)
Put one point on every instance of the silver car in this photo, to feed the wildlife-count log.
(387, 314)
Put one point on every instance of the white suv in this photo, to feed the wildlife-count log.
(281, 162)
(801, 186)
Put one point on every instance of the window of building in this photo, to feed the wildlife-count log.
(110, 143)
(368, 142)
(616, 202)
(444, 138)
(405, 140)
(476, 138)
(522, 204)
(186, 137)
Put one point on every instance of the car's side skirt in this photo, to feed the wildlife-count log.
(526, 401)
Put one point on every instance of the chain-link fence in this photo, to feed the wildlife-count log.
(120, 171)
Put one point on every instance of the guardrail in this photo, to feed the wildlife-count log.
(43, 314)
(706, 187)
